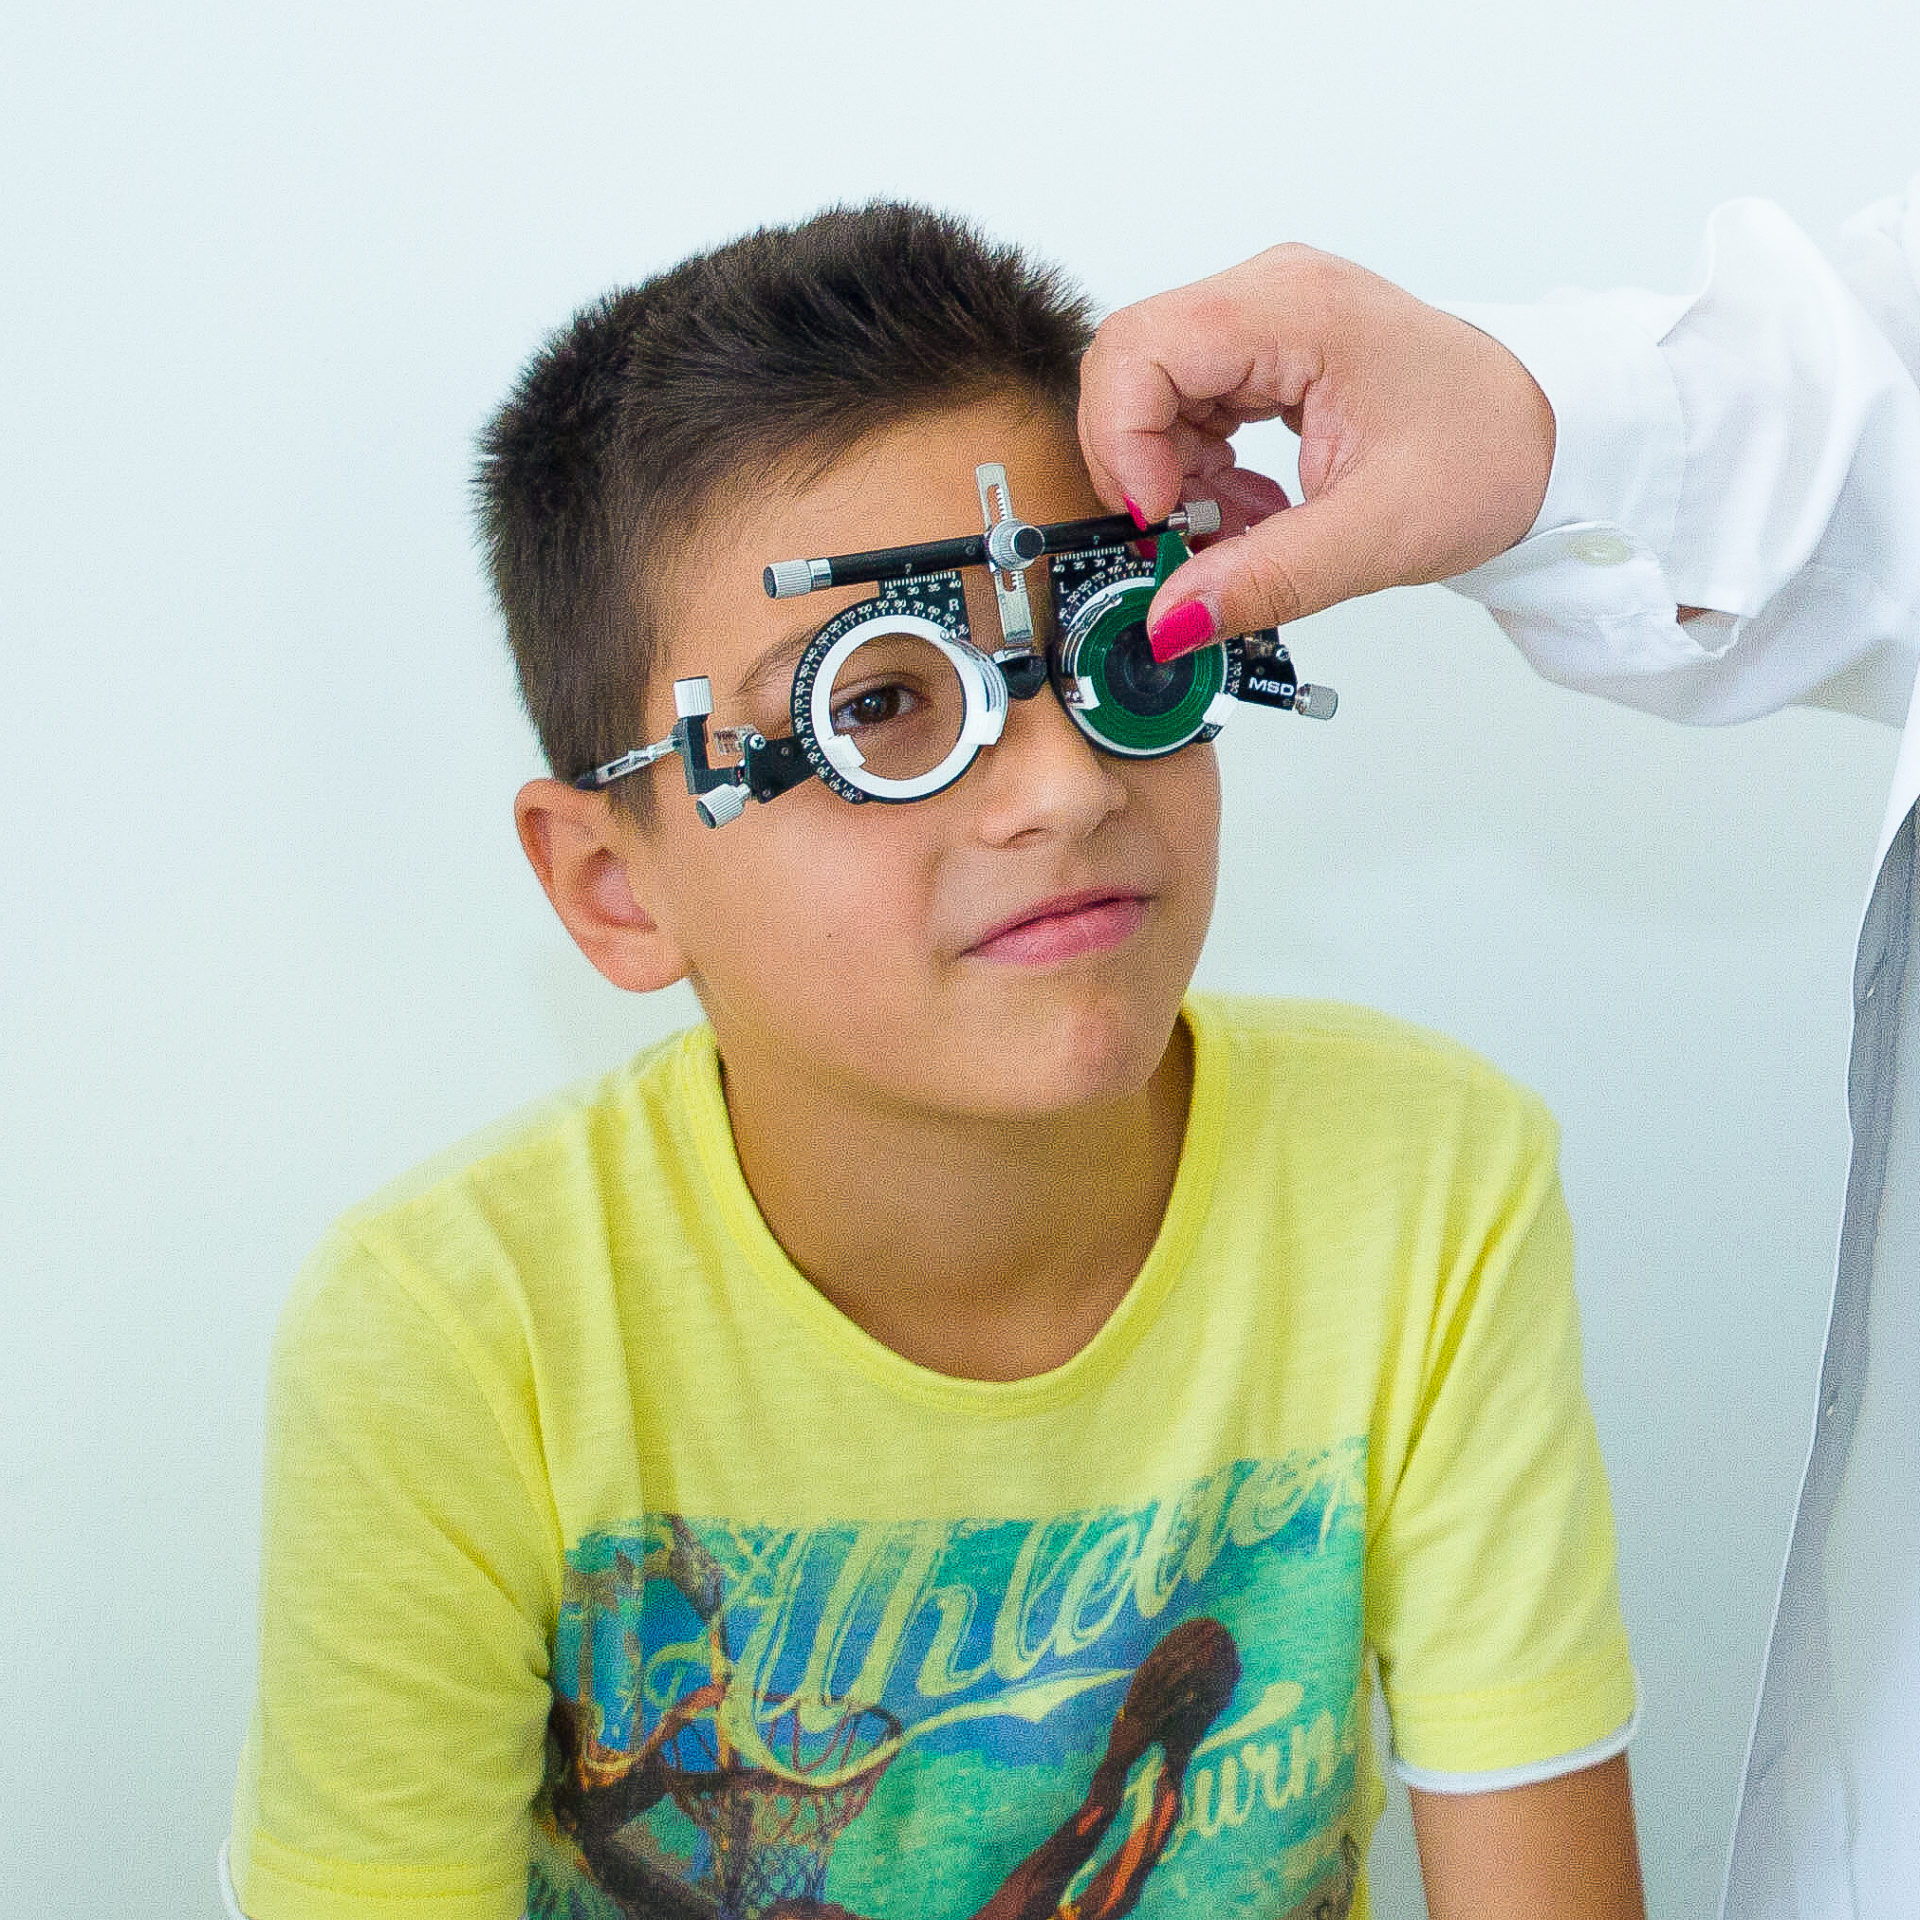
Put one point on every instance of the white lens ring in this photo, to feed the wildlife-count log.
(1082, 618)
(983, 691)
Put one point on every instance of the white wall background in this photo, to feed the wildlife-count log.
(267, 937)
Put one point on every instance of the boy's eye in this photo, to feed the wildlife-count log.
(898, 702)
(874, 707)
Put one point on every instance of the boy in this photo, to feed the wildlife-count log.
(940, 1438)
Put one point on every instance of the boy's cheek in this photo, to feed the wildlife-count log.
(791, 904)
(1188, 805)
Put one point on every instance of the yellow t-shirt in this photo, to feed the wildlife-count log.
(609, 1570)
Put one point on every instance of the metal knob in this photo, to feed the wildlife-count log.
(1013, 544)
(722, 804)
(1197, 516)
(787, 579)
(1315, 703)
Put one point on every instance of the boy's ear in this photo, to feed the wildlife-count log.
(599, 873)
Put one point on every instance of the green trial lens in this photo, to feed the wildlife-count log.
(1120, 697)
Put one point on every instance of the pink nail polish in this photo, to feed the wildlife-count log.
(1139, 518)
(1189, 625)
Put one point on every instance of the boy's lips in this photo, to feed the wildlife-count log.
(1089, 921)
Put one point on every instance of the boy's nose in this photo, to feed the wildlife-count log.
(1044, 776)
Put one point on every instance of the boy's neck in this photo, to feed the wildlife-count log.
(988, 1250)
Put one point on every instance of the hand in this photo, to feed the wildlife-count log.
(1425, 445)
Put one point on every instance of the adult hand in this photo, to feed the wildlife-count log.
(1425, 445)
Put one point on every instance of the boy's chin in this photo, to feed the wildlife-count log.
(1089, 1057)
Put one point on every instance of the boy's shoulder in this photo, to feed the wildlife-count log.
(573, 1126)
(1345, 1076)
(1361, 1040)
(540, 1187)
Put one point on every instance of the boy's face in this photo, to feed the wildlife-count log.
(1014, 946)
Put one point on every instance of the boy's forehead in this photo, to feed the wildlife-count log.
(910, 482)
(915, 480)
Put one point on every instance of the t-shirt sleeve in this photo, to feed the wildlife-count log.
(397, 1740)
(1493, 1607)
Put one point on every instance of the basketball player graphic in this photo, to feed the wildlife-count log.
(768, 1833)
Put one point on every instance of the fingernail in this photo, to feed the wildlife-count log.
(1189, 625)
(1139, 518)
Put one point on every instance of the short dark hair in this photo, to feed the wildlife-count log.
(779, 350)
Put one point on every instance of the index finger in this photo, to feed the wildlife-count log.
(1185, 356)
(1238, 346)
(1125, 411)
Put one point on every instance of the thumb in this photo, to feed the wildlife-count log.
(1290, 565)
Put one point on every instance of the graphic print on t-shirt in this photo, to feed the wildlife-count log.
(1119, 1710)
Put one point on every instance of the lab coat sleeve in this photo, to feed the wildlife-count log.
(1752, 449)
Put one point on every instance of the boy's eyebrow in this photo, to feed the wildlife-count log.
(784, 653)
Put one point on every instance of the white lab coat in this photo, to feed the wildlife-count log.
(1754, 448)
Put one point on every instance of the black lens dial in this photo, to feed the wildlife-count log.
(1138, 681)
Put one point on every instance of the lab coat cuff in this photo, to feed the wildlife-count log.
(1590, 600)
(1620, 438)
